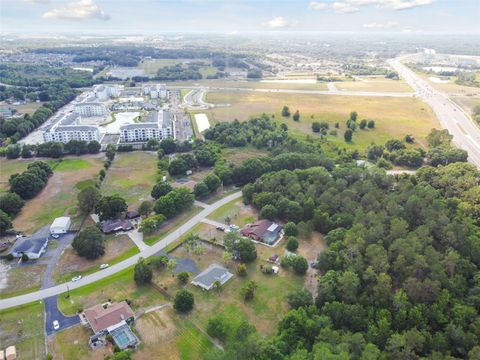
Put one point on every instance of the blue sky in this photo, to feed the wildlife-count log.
(155, 16)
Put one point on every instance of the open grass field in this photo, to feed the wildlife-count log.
(23, 327)
(151, 66)
(10, 167)
(72, 344)
(132, 176)
(450, 87)
(59, 197)
(239, 213)
(22, 280)
(118, 287)
(178, 337)
(467, 103)
(23, 108)
(237, 157)
(374, 84)
(394, 117)
(253, 84)
(117, 248)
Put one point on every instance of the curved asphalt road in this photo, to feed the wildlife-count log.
(59, 289)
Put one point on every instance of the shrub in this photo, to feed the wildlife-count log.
(183, 277)
(142, 273)
(242, 270)
(292, 244)
(183, 301)
(290, 229)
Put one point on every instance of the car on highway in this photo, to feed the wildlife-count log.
(104, 266)
(76, 278)
(56, 325)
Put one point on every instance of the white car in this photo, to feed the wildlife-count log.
(104, 266)
(76, 278)
(56, 325)
(55, 236)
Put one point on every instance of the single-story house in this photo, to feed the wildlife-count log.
(132, 214)
(113, 319)
(33, 247)
(264, 230)
(60, 225)
(207, 278)
(110, 226)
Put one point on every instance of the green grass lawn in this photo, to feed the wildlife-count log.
(394, 116)
(238, 213)
(10, 167)
(132, 176)
(23, 327)
(172, 225)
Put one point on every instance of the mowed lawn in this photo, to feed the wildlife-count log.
(10, 167)
(59, 197)
(394, 116)
(23, 327)
(374, 84)
(132, 176)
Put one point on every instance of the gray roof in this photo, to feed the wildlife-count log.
(144, 125)
(214, 272)
(29, 244)
(76, 128)
(164, 119)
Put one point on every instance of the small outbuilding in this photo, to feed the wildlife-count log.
(11, 353)
(60, 225)
(207, 278)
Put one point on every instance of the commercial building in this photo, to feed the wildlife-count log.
(159, 127)
(60, 225)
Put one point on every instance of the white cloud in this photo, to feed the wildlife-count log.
(344, 7)
(351, 6)
(374, 25)
(315, 5)
(277, 23)
(38, 1)
(78, 10)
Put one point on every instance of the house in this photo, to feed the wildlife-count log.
(32, 246)
(132, 214)
(110, 226)
(207, 278)
(60, 225)
(264, 230)
(113, 319)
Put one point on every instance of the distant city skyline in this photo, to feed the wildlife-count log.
(232, 16)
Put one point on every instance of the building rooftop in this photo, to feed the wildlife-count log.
(29, 244)
(213, 273)
(101, 317)
(63, 221)
(77, 128)
(115, 225)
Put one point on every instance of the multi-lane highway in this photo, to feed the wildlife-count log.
(466, 134)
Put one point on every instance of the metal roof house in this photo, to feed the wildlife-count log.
(60, 225)
(33, 247)
(207, 278)
(263, 230)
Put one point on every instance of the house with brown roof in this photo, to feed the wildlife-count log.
(113, 319)
(110, 226)
(263, 230)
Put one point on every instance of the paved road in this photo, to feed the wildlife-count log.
(53, 313)
(466, 134)
(59, 289)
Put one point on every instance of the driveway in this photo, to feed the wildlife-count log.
(88, 279)
(53, 313)
(51, 257)
(137, 238)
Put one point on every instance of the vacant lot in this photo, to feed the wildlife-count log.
(219, 83)
(239, 213)
(23, 279)
(467, 103)
(394, 117)
(237, 157)
(374, 84)
(117, 248)
(59, 197)
(178, 337)
(72, 344)
(10, 167)
(23, 108)
(132, 176)
(23, 327)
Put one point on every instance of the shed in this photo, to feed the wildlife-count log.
(60, 225)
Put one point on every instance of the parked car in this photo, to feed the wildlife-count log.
(18, 236)
(104, 266)
(234, 227)
(56, 325)
(219, 228)
(76, 278)
(55, 236)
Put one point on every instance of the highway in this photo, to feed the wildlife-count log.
(466, 134)
(102, 274)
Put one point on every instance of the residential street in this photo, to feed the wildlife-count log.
(173, 236)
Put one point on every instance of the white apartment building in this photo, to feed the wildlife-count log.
(160, 129)
(104, 92)
(88, 109)
(65, 133)
(155, 91)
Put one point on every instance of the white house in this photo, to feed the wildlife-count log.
(60, 225)
(33, 247)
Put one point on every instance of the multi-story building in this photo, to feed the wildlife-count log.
(155, 91)
(103, 92)
(67, 128)
(159, 129)
(88, 109)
